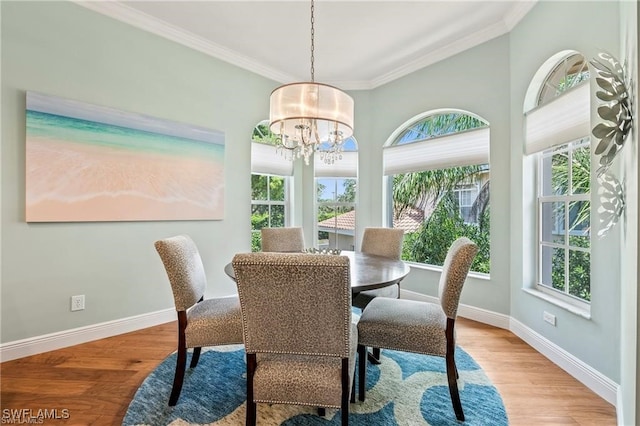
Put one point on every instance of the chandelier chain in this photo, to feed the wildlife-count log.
(312, 42)
(310, 117)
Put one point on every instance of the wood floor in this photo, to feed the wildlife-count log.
(96, 381)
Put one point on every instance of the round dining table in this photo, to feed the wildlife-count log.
(368, 271)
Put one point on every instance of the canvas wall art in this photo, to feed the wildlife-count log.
(92, 163)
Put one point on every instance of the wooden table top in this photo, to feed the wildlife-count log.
(368, 271)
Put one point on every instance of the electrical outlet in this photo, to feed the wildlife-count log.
(77, 303)
(550, 318)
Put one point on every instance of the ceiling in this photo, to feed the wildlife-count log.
(358, 44)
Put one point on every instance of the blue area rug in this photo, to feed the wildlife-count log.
(405, 389)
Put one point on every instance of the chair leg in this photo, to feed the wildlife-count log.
(376, 354)
(353, 389)
(452, 370)
(362, 371)
(251, 405)
(178, 378)
(195, 357)
(181, 362)
(344, 406)
(453, 388)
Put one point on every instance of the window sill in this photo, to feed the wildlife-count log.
(425, 267)
(586, 314)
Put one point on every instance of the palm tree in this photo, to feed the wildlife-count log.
(434, 190)
(424, 189)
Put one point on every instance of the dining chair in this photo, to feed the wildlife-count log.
(298, 334)
(420, 327)
(201, 322)
(386, 242)
(287, 239)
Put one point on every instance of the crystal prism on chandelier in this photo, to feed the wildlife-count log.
(311, 117)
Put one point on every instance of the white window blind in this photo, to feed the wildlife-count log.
(564, 119)
(459, 149)
(347, 166)
(266, 160)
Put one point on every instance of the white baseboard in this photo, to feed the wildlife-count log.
(606, 388)
(62, 339)
(594, 380)
(619, 410)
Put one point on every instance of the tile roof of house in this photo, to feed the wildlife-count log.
(410, 221)
(344, 221)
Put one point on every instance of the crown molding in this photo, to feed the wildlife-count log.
(517, 12)
(444, 52)
(134, 17)
(131, 16)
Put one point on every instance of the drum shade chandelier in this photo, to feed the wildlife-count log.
(310, 116)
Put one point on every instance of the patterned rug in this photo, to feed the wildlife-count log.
(405, 389)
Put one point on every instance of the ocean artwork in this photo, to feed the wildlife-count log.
(88, 163)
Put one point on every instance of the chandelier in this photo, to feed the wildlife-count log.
(311, 117)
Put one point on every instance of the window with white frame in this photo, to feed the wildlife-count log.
(557, 133)
(467, 195)
(336, 190)
(437, 170)
(270, 180)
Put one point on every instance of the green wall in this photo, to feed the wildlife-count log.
(63, 49)
(630, 396)
(477, 81)
(66, 50)
(543, 32)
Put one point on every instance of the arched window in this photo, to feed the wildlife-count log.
(557, 129)
(270, 183)
(437, 167)
(336, 189)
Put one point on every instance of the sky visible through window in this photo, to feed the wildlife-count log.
(329, 183)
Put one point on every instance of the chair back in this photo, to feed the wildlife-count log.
(290, 239)
(454, 273)
(183, 264)
(385, 242)
(294, 303)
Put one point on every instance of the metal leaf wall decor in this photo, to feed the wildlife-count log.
(611, 195)
(615, 109)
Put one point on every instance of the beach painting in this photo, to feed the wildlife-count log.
(88, 163)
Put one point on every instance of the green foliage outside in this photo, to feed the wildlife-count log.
(261, 133)
(576, 165)
(579, 269)
(436, 188)
(328, 207)
(269, 189)
(256, 241)
(440, 125)
(432, 241)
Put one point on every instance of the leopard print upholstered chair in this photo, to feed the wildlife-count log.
(288, 239)
(298, 333)
(386, 242)
(201, 322)
(420, 327)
